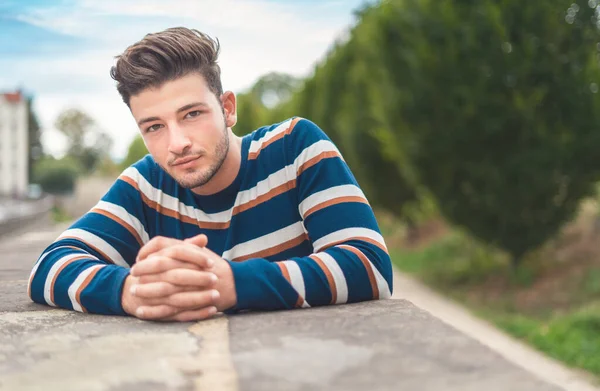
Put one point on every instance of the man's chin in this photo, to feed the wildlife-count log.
(190, 181)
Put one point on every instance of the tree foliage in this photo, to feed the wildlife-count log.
(87, 144)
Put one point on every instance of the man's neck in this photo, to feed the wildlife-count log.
(228, 171)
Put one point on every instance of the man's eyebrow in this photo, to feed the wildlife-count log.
(190, 105)
(179, 110)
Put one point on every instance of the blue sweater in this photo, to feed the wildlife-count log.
(294, 226)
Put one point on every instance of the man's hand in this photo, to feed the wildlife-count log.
(155, 269)
(183, 290)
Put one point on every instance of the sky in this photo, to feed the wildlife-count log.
(60, 51)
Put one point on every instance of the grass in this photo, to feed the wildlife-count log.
(59, 215)
(553, 306)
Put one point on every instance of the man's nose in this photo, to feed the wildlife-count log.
(179, 141)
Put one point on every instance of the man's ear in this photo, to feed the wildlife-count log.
(229, 106)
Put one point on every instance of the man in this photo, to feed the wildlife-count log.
(210, 222)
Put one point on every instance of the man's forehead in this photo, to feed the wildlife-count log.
(171, 96)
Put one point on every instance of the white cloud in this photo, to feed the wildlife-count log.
(256, 37)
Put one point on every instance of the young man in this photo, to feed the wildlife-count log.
(209, 221)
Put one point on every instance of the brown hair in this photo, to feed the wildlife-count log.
(165, 56)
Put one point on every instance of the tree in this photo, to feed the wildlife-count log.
(137, 150)
(36, 150)
(87, 144)
(502, 106)
(253, 106)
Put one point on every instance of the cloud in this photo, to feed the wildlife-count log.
(257, 36)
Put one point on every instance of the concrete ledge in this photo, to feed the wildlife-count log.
(39, 214)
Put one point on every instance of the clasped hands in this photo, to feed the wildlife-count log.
(178, 280)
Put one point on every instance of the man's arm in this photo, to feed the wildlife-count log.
(86, 266)
(350, 262)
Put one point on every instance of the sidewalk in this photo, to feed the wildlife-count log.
(511, 349)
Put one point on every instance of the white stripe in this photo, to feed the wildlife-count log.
(256, 145)
(296, 278)
(77, 283)
(170, 202)
(97, 242)
(130, 219)
(341, 286)
(265, 242)
(274, 180)
(52, 273)
(347, 234)
(327, 195)
(315, 150)
(382, 285)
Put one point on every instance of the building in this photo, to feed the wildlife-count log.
(14, 144)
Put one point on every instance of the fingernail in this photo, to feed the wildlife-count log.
(215, 294)
(132, 271)
(214, 278)
(140, 312)
(133, 289)
(210, 262)
(212, 310)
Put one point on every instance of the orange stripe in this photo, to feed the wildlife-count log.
(275, 249)
(329, 276)
(284, 271)
(84, 285)
(254, 155)
(312, 161)
(104, 256)
(60, 270)
(299, 302)
(265, 197)
(173, 213)
(334, 202)
(122, 222)
(368, 268)
(361, 238)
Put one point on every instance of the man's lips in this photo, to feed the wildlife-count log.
(184, 160)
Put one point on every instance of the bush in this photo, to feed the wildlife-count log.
(56, 176)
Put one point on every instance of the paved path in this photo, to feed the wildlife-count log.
(384, 345)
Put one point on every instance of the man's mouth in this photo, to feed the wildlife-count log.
(184, 160)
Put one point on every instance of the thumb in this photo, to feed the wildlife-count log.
(199, 240)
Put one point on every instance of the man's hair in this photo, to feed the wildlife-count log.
(166, 56)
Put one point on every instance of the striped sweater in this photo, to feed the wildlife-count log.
(294, 225)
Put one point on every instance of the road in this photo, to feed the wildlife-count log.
(383, 345)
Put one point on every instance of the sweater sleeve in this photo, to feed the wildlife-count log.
(350, 261)
(85, 267)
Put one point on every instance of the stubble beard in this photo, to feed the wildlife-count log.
(196, 178)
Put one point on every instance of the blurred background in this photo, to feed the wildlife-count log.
(471, 125)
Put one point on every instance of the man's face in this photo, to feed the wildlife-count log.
(184, 128)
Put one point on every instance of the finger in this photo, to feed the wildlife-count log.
(198, 240)
(189, 253)
(156, 312)
(187, 316)
(158, 263)
(189, 277)
(159, 289)
(194, 299)
(182, 277)
(156, 244)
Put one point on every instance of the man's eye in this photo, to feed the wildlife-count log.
(153, 128)
(193, 114)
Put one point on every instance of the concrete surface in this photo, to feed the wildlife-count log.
(509, 348)
(385, 345)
